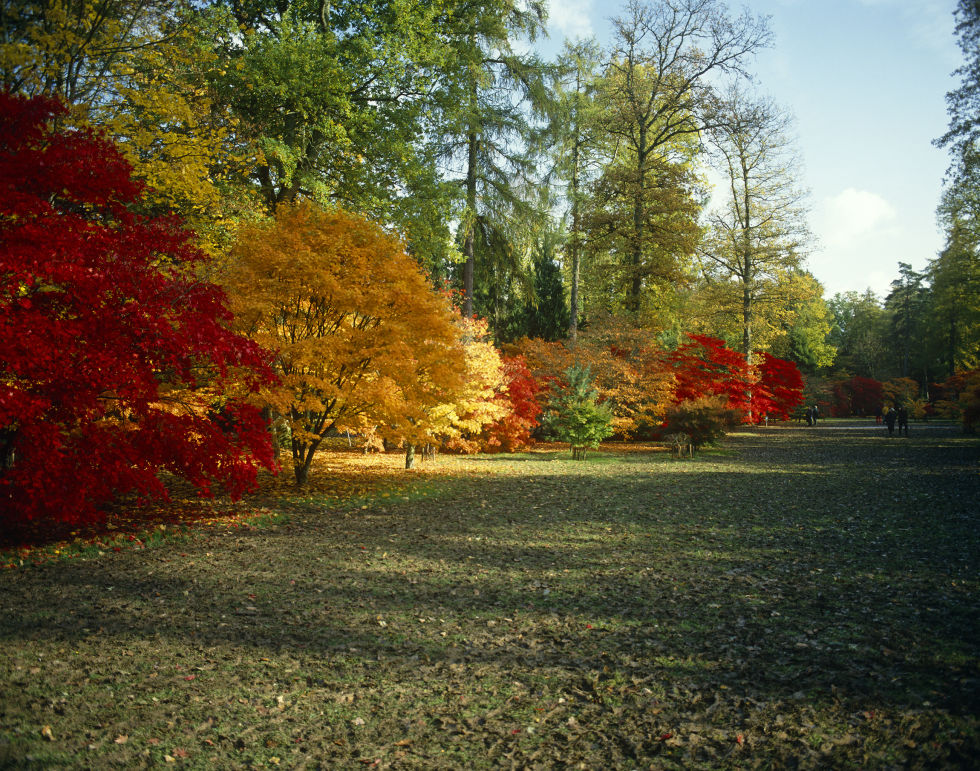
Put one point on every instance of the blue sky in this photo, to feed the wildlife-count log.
(866, 81)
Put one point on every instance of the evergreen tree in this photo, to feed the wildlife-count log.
(955, 279)
(955, 273)
(575, 139)
(575, 414)
(546, 312)
(490, 93)
(905, 302)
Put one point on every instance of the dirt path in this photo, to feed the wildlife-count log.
(802, 597)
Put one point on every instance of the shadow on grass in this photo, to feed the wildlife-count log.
(835, 572)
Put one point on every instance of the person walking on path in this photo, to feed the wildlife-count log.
(890, 416)
(903, 420)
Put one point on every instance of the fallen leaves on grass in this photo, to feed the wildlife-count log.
(766, 606)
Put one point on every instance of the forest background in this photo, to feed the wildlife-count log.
(339, 161)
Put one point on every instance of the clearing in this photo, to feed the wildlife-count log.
(800, 597)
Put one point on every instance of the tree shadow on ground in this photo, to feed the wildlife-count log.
(652, 598)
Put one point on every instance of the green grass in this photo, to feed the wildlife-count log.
(798, 598)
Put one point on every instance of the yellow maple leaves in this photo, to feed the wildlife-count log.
(137, 72)
(357, 332)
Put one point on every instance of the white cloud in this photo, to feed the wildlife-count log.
(570, 18)
(852, 215)
(860, 239)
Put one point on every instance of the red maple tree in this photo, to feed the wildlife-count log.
(115, 360)
(857, 396)
(705, 366)
(513, 432)
(779, 388)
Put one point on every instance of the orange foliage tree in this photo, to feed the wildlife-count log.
(630, 371)
(462, 408)
(357, 332)
(512, 432)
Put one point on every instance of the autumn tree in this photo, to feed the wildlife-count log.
(512, 431)
(356, 330)
(453, 416)
(705, 366)
(630, 371)
(758, 233)
(138, 71)
(115, 362)
(778, 387)
(659, 91)
(857, 396)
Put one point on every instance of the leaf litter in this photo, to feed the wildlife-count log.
(803, 597)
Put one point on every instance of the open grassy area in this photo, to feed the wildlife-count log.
(797, 598)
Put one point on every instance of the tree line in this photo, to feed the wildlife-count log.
(548, 193)
(349, 172)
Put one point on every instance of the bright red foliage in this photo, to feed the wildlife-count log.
(706, 367)
(778, 390)
(513, 432)
(106, 337)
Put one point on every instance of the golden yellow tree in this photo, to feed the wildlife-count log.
(458, 417)
(357, 332)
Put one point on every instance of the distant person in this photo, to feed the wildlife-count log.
(891, 415)
(816, 414)
(903, 420)
(878, 416)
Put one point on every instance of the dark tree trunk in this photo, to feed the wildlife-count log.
(469, 242)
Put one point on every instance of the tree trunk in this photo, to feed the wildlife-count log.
(469, 242)
(747, 324)
(636, 253)
(409, 456)
(302, 460)
(302, 472)
(574, 248)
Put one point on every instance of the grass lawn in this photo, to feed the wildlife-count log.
(799, 597)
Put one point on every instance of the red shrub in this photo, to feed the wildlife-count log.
(106, 337)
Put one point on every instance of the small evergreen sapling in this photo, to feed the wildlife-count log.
(576, 415)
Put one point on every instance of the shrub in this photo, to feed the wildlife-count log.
(704, 419)
(575, 414)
